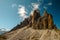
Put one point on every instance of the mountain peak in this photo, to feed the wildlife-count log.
(36, 21)
(35, 27)
(36, 15)
(35, 12)
(45, 13)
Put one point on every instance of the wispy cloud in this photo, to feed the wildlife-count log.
(35, 5)
(22, 12)
(47, 5)
(50, 3)
(14, 5)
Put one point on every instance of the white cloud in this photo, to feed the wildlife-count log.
(14, 5)
(22, 12)
(4, 29)
(50, 3)
(35, 6)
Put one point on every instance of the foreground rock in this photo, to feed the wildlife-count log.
(32, 34)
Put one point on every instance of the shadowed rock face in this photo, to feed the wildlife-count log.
(38, 22)
(35, 16)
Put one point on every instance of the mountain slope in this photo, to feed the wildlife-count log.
(32, 34)
(35, 27)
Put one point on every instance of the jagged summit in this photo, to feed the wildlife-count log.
(35, 27)
(35, 16)
(45, 13)
(36, 21)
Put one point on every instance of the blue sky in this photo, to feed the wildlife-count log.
(11, 11)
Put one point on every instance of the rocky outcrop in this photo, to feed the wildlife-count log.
(35, 27)
(22, 24)
(35, 16)
(36, 21)
(42, 22)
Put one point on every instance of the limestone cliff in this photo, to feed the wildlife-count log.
(35, 27)
(37, 21)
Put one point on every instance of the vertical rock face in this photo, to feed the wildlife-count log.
(35, 16)
(50, 21)
(38, 22)
(45, 14)
(44, 22)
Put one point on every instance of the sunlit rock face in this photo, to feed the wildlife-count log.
(36, 21)
(35, 16)
(42, 22)
(35, 27)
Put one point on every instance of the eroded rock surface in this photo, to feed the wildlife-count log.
(35, 27)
